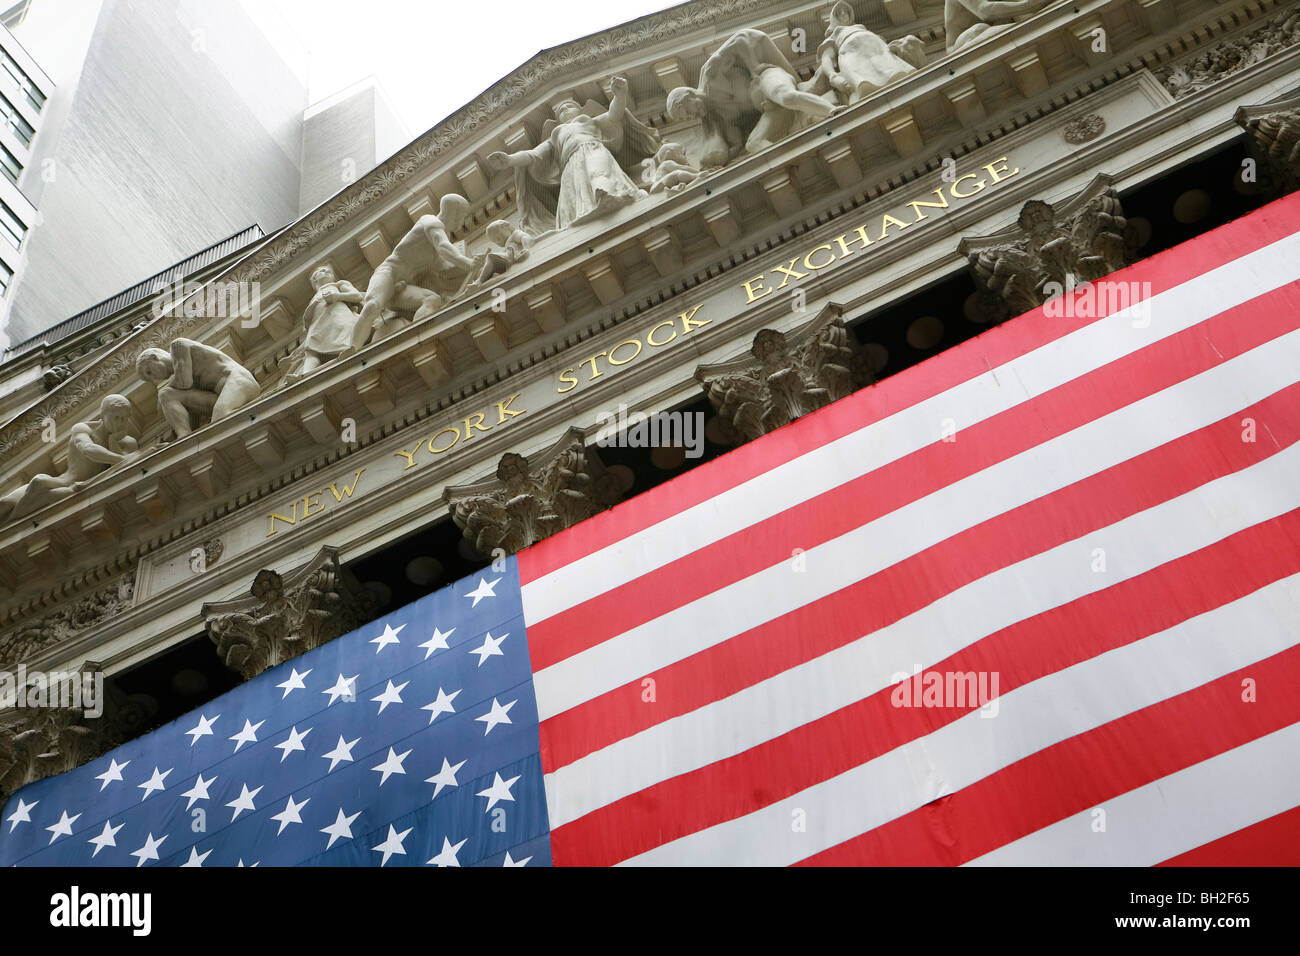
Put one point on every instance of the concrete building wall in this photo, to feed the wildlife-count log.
(183, 126)
(344, 137)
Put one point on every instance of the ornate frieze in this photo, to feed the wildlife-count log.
(285, 616)
(1232, 55)
(1053, 247)
(1273, 138)
(786, 377)
(28, 639)
(528, 501)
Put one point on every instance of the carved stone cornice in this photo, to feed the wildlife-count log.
(1052, 247)
(27, 639)
(527, 500)
(785, 377)
(40, 742)
(1232, 55)
(1273, 138)
(285, 616)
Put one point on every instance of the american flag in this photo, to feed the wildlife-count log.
(1094, 519)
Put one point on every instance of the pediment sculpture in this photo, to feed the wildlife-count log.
(858, 62)
(967, 21)
(329, 318)
(94, 447)
(577, 173)
(196, 383)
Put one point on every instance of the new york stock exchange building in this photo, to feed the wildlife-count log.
(762, 433)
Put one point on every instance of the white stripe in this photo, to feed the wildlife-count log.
(1073, 701)
(877, 444)
(879, 544)
(851, 673)
(1170, 816)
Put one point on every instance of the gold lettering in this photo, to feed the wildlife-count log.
(886, 221)
(957, 195)
(276, 516)
(750, 294)
(918, 203)
(1001, 174)
(861, 233)
(455, 432)
(636, 342)
(789, 273)
(471, 424)
(569, 379)
(807, 260)
(594, 374)
(504, 409)
(409, 456)
(308, 504)
(689, 321)
(650, 336)
(348, 489)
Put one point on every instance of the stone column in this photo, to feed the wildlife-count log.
(285, 616)
(786, 376)
(1051, 248)
(1273, 140)
(531, 499)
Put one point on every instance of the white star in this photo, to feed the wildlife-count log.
(484, 590)
(446, 777)
(293, 743)
(388, 637)
(154, 783)
(241, 863)
(345, 687)
(63, 827)
(199, 791)
(150, 849)
(447, 856)
(21, 815)
(341, 827)
(391, 695)
(294, 682)
(391, 766)
(497, 715)
(248, 735)
(343, 751)
(202, 729)
(105, 838)
(437, 642)
(500, 790)
(442, 705)
(196, 858)
(243, 802)
(113, 773)
(510, 862)
(491, 647)
(393, 844)
(290, 814)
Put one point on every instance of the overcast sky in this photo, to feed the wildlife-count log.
(430, 56)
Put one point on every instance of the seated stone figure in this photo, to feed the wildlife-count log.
(965, 21)
(196, 379)
(512, 242)
(94, 447)
(670, 170)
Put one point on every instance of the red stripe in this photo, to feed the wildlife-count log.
(1132, 486)
(868, 497)
(1021, 653)
(1271, 842)
(1081, 772)
(909, 387)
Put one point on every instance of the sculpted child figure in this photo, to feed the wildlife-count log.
(196, 378)
(513, 243)
(93, 448)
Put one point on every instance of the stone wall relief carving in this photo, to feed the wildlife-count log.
(27, 639)
(1232, 55)
(1273, 139)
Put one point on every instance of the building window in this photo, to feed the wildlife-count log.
(16, 78)
(13, 120)
(11, 227)
(10, 166)
(15, 14)
(6, 276)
